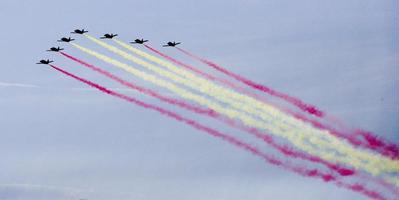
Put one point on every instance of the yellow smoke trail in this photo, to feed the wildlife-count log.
(382, 163)
(206, 87)
(201, 81)
(356, 161)
(344, 150)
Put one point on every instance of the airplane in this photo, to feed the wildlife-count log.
(138, 41)
(78, 31)
(108, 36)
(55, 49)
(64, 39)
(45, 62)
(171, 44)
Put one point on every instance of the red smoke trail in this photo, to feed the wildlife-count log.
(315, 123)
(147, 91)
(193, 69)
(371, 141)
(255, 132)
(287, 150)
(230, 139)
(207, 75)
(297, 102)
(376, 143)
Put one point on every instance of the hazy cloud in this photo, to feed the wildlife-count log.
(42, 192)
(23, 85)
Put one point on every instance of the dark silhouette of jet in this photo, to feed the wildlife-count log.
(171, 44)
(78, 31)
(64, 39)
(138, 41)
(55, 49)
(108, 36)
(45, 62)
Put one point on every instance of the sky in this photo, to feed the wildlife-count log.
(62, 140)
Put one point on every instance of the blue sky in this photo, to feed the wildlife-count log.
(62, 141)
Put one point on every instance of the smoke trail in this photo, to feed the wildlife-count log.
(199, 72)
(230, 139)
(261, 135)
(370, 163)
(287, 151)
(379, 144)
(234, 86)
(145, 90)
(372, 142)
(222, 94)
(362, 160)
(297, 102)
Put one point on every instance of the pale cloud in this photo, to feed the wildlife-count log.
(53, 192)
(23, 85)
(32, 191)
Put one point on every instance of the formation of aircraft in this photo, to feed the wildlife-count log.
(106, 36)
(138, 41)
(56, 49)
(45, 62)
(171, 44)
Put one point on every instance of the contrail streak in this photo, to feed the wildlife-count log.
(22, 85)
(261, 135)
(230, 139)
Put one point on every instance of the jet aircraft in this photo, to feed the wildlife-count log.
(45, 62)
(79, 31)
(171, 44)
(108, 36)
(138, 41)
(64, 39)
(55, 49)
